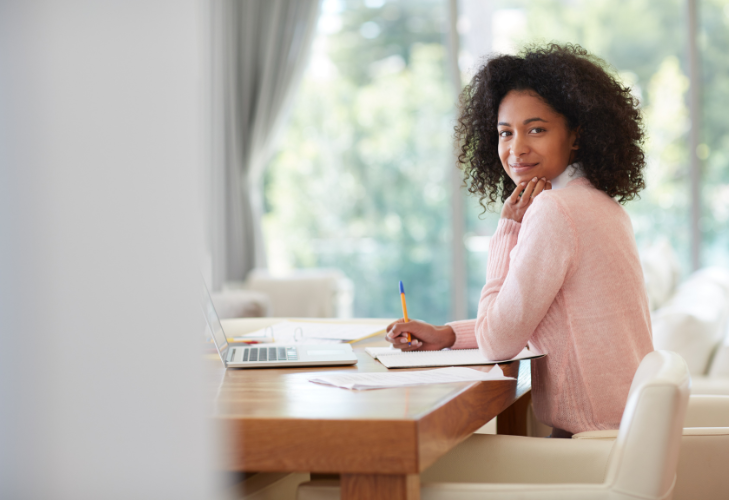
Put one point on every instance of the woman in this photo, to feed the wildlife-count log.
(558, 139)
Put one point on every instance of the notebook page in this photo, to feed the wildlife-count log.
(455, 357)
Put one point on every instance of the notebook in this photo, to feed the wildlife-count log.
(394, 358)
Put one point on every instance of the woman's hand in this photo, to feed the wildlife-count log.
(425, 337)
(515, 207)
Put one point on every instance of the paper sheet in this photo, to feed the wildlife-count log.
(365, 381)
(301, 332)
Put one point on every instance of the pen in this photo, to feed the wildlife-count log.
(404, 308)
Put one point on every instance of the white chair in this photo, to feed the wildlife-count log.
(305, 293)
(641, 463)
(241, 304)
(701, 471)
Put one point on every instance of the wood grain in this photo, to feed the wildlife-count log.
(444, 427)
(513, 420)
(318, 446)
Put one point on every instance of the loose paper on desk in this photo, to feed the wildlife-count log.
(395, 358)
(304, 332)
(385, 380)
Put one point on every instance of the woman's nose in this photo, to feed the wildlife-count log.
(519, 146)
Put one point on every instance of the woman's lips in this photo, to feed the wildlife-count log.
(522, 167)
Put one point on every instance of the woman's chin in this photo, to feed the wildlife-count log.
(524, 178)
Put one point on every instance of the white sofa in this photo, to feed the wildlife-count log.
(694, 322)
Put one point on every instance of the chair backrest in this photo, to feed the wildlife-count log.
(645, 456)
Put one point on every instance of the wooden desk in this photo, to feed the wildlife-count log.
(275, 420)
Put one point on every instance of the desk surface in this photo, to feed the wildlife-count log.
(276, 420)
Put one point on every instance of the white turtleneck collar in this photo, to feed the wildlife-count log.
(570, 173)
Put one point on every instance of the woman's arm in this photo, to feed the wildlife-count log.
(463, 334)
(502, 242)
(522, 283)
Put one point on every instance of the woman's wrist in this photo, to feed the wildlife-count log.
(448, 335)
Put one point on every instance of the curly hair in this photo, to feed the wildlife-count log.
(576, 85)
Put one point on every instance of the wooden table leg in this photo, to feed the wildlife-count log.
(513, 420)
(380, 487)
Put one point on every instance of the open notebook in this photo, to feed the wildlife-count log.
(394, 358)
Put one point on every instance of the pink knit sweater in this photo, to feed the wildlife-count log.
(568, 280)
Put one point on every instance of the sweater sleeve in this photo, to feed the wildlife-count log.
(465, 334)
(503, 240)
(519, 290)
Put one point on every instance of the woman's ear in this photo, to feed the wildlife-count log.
(576, 138)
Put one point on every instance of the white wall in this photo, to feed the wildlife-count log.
(101, 127)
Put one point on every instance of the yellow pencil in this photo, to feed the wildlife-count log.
(404, 308)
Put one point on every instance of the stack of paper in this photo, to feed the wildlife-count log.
(382, 380)
(395, 358)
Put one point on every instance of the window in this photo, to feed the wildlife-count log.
(361, 182)
(713, 151)
(362, 179)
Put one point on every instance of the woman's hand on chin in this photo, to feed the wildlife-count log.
(516, 206)
(425, 337)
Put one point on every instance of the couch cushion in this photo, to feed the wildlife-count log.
(720, 364)
(661, 272)
(693, 321)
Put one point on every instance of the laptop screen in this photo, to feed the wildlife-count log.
(211, 317)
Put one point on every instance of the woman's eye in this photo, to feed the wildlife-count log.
(536, 130)
(504, 133)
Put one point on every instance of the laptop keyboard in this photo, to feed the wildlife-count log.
(258, 354)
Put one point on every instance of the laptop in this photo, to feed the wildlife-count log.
(272, 355)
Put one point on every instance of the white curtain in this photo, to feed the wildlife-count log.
(260, 50)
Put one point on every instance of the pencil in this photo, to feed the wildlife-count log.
(404, 308)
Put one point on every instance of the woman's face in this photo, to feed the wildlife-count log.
(534, 140)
